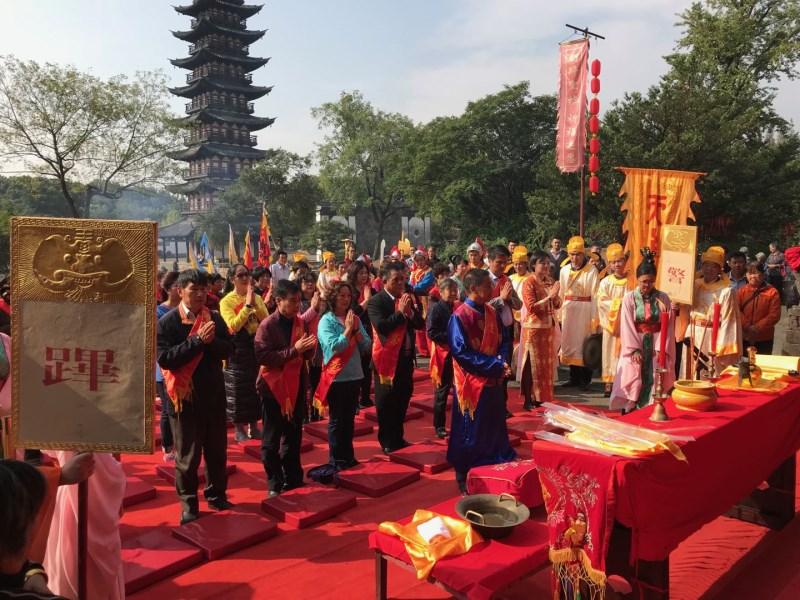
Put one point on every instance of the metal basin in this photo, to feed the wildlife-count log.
(493, 516)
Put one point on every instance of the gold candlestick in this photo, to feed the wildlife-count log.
(659, 412)
(712, 366)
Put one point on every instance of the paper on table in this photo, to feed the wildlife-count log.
(432, 528)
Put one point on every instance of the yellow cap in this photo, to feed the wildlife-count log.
(520, 253)
(327, 255)
(614, 252)
(716, 255)
(576, 245)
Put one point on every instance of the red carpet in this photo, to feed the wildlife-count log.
(331, 559)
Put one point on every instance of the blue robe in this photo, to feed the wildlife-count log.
(482, 438)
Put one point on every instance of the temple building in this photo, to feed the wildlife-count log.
(220, 93)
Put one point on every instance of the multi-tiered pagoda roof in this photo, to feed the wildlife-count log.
(220, 90)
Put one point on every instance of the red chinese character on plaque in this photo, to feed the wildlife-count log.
(55, 368)
(676, 275)
(91, 366)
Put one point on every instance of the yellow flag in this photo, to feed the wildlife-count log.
(233, 258)
(192, 252)
(654, 198)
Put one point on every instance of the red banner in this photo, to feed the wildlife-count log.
(571, 137)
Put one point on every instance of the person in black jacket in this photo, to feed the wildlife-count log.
(442, 373)
(390, 310)
(192, 343)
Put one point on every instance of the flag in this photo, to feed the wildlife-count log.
(263, 239)
(571, 130)
(208, 255)
(654, 198)
(247, 258)
(191, 254)
(233, 256)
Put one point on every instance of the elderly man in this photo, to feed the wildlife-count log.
(578, 284)
(776, 265)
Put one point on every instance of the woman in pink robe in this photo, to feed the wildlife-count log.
(634, 381)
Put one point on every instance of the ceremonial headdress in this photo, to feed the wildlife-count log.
(576, 245)
(614, 252)
(716, 255)
(298, 256)
(520, 253)
(474, 247)
(648, 264)
(327, 255)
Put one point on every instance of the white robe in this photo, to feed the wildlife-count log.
(578, 311)
(609, 300)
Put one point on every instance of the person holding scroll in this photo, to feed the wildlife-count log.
(192, 343)
(646, 328)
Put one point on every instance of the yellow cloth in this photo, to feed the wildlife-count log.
(424, 555)
(576, 245)
(765, 385)
(614, 252)
(609, 300)
(716, 255)
(578, 317)
(245, 317)
(654, 197)
(786, 363)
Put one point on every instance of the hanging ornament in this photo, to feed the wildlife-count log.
(594, 129)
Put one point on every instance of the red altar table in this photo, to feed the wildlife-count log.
(477, 575)
(641, 509)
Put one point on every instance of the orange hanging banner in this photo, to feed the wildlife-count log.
(654, 198)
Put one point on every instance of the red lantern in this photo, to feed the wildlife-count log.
(594, 124)
(595, 85)
(594, 106)
(594, 184)
(594, 163)
(594, 145)
(595, 68)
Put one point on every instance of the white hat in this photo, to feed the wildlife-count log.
(744, 249)
(474, 247)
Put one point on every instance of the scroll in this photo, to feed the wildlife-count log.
(676, 265)
(83, 322)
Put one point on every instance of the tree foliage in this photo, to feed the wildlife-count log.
(325, 235)
(363, 157)
(282, 182)
(109, 135)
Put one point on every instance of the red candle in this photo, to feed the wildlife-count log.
(662, 340)
(715, 327)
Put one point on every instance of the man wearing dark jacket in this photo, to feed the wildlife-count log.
(192, 343)
(282, 346)
(395, 316)
(441, 361)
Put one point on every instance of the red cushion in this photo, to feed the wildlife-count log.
(377, 477)
(371, 413)
(167, 472)
(319, 429)
(519, 478)
(305, 506)
(153, 556)
(220, 534)
(428, 457)
(137, 491)
(487, 567)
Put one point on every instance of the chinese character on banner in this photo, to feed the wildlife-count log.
(90, 366)
(676, 275)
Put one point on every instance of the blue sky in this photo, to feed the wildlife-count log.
(423, 58)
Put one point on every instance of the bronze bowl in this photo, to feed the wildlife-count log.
(493, 516)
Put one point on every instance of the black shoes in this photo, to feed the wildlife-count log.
(273, 494)
(366, 404)
(527, 406)
(441, 433)
(188, 517)
(220, 504)
(292, 486)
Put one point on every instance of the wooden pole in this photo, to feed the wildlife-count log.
(580, 223)
(83, 537)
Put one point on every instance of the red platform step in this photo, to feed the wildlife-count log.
(377, 477)
(425, 402)
(167, 472)
(319, 429)
(223, 533)
(137, 491)
(371, 413)
(154, 556)
(428, 457)
(305, 506)
(525, 426)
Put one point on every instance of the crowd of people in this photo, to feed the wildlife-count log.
(273, 347)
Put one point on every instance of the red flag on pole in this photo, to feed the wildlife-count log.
(263, 239)
(247, 259)
(571, 135)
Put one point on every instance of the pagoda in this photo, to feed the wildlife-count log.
(220, 90)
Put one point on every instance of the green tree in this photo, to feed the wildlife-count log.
(713, 111)
(363, 158)
(282, 182)
(325, 235)
(109, 135)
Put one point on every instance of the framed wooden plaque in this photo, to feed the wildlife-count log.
(676, 264)
(83, 343)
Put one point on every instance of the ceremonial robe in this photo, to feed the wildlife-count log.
(578, 311)
(609, 300)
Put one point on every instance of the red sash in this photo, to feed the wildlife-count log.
(468, 386)
(498, 286)
(331, 369)
(438, 356)
(284, 382)
(178, 382)
(386, 354)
